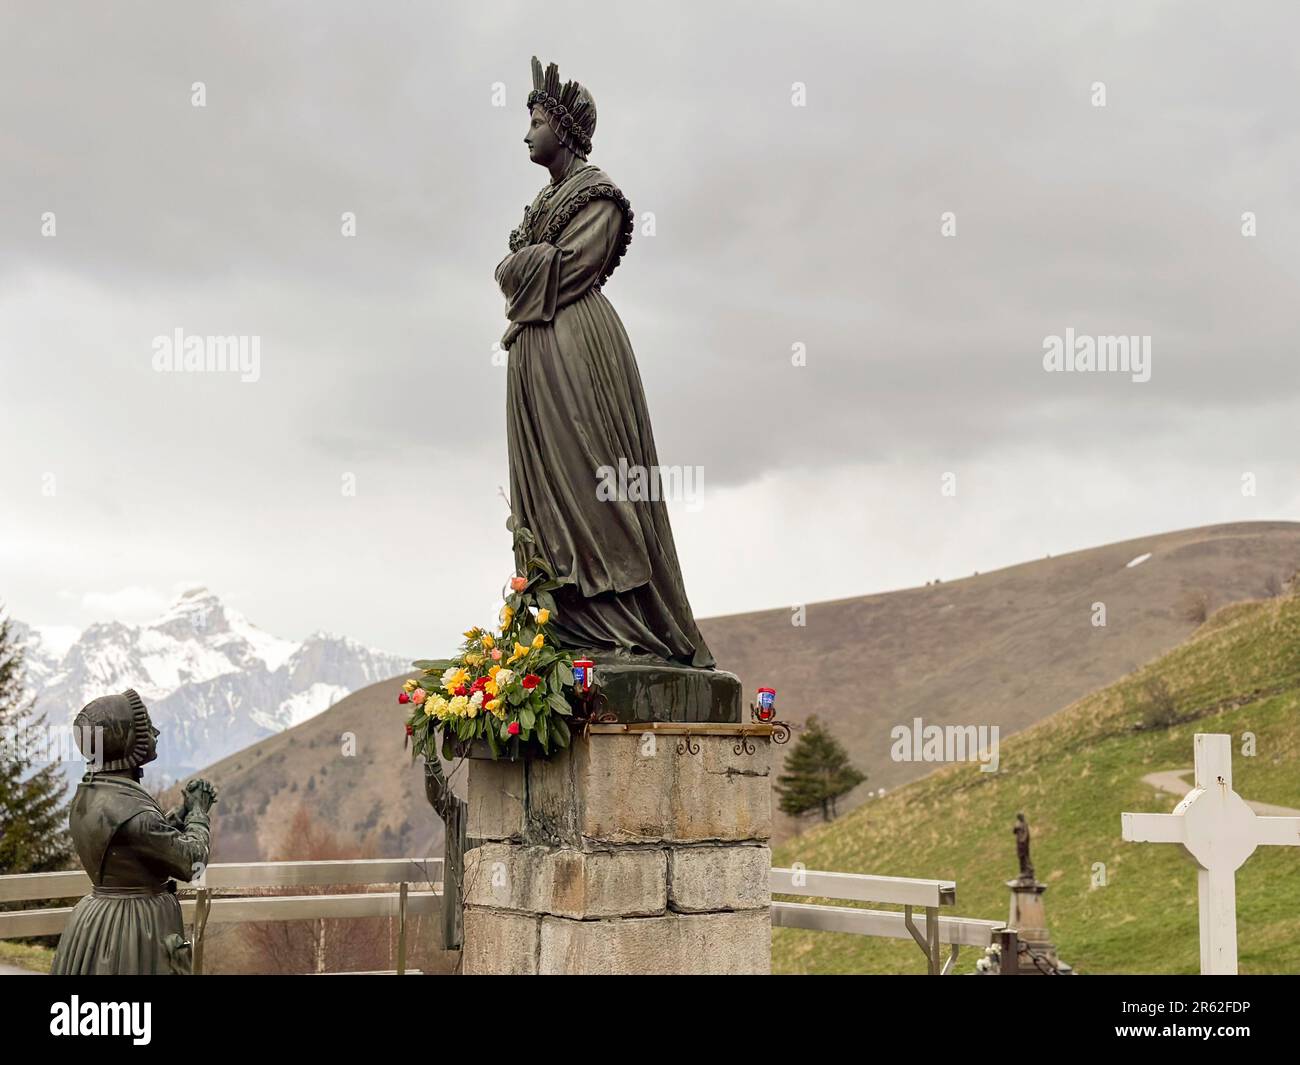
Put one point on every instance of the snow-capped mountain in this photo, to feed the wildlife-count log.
(213, 681)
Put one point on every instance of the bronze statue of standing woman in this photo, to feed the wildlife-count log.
(575, 402)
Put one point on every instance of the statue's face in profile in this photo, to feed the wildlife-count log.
(543, 144)
(153, 742)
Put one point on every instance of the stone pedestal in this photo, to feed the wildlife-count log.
(641, 849)
(1029, 919)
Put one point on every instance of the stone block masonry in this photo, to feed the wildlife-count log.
(629, 853)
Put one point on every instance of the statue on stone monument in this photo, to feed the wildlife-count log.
(1021, 831)
(575, 404)
(132, 851)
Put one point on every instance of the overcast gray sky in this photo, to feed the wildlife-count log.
(775, 225)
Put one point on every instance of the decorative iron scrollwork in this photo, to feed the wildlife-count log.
(780, 729)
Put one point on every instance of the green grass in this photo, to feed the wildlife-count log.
(26, 955)
(1072, 775)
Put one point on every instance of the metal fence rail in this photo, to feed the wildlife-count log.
(928, 932)
(28, 887)
(203, 906)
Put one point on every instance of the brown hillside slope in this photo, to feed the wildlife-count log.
(374, 797)
(1006, 648)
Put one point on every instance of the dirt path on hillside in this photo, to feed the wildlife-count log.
(1171, 781)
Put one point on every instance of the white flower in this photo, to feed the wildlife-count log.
(504, 677)
(446, 677)
(476, 699)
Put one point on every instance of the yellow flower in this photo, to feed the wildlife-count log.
(474, 660)
(409, 686)
(492, 688)
(453, 679)
(507, 616)
(538, 641)
(494, 670)
(520, 651)
(543, 616)
(488, 642)
(458, 707)
(471, 633)
(494, 705)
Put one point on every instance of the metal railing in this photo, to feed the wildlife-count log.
(203, 906)
(199, 905)
(929, 932)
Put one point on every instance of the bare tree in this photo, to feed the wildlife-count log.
(323, 944)
(1195, 607)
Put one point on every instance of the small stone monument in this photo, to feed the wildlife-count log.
(1028, 915)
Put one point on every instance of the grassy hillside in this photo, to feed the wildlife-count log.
(1073, 774)
(1017, 642)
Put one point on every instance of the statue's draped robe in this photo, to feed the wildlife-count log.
(131, 850)
(575, 404)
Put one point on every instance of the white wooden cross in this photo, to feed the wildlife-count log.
(1218, 832)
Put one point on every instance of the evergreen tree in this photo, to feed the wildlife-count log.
(33, 811)
(817, 772)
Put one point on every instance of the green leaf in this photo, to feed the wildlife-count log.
(546, 600)
(559, 704)
(439, 664)
(542, 735)
(560, 731)
(491, 735)
(527, 717)
(538, 563)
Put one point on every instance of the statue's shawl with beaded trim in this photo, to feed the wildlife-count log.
(545, 220)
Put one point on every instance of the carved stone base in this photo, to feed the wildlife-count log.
(1029, 919)
(632, 690)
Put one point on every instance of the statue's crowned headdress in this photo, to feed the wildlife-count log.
(570, 108)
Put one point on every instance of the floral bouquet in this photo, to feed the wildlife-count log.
(504, 684)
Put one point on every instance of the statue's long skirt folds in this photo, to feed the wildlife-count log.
(119, 935)
(575, 406)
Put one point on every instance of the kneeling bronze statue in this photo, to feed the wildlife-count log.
(132, 851)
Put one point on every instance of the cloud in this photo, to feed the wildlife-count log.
(132, 603)
(774, 225)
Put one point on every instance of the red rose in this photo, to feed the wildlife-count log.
(403, 698)
(410, 731)
(531, 681)
(513, 728)
(460, 691)
(478, 685)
